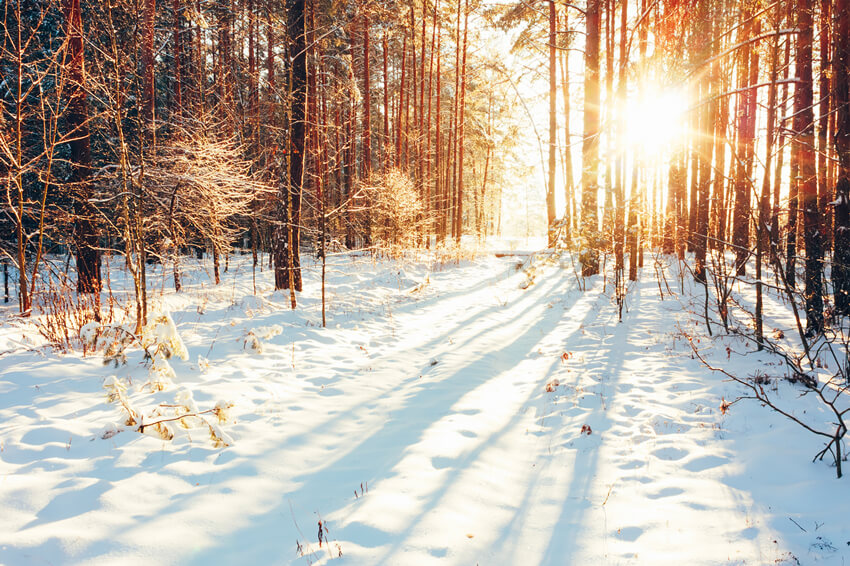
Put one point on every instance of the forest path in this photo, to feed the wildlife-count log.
(439, 423)
(491, 453)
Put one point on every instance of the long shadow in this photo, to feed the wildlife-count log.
(439, 495)
(442, 393)
(406, 422)
(567, 531)
(436, 347)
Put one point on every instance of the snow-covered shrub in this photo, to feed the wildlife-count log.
(161, 334)
(254, 337)
(161, 341)
(160, 421)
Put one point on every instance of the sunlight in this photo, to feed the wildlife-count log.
(656, 120)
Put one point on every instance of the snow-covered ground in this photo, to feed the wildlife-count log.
(446, 415)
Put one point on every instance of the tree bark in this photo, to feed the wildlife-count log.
(85, 230)
(590, 144)
(841, 94)
(553, 122)
(804, 130)
(288, 232)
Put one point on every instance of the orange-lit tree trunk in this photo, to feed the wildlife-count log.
(824, 190)
(763, 217)
(590, 144)
(703, 144)
(461, 117)
(367, 100)
(841, 103)
(553, 122)
(741, 215)
(804, 130)
(85, 231)
(287, 231)
(568, 152)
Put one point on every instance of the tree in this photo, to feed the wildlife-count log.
(841, 103)
(804, 132)
(85, 232)
(287, 232)
(590, 143)
(553, 122)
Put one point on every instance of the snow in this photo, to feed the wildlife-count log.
(450, 413)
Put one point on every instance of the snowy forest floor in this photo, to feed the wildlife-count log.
(445, 416)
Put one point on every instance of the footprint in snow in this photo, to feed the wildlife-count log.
(705, 463)
(666, 492)
(670, 453)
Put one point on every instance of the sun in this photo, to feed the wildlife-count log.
(655, 119)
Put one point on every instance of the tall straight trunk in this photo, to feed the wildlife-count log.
(178, 54)
(704, 146)
(805, 132)
(421, 129)
(429, 207)
(764, 200)
(780, 151)
(619, 182)
(668, 244)
(553, 122)
(721, 123)
(633, 224)
(411, 94)
(367, 100)
(608, 123)
(318, 112)
(678, 184)
(387, 138)
(399, 111)
(438, 188)
(569, 182)
(287, 231)
(200, 65)
(271, 110)
(824, 190)
(149, 103)
(252, 74)
(590, 144)
(794, 182)
(350, 164)
(77, 119)
(461, 117)
(741, 216)
(455, 119)
(841, 103)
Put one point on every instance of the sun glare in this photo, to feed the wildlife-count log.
(656, 120)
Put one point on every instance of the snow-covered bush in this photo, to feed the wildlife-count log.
(160, 420)
(160, 334)
(253, 340)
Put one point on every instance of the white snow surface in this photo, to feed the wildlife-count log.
(445, 416)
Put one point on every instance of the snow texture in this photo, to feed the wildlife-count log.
(494, 416)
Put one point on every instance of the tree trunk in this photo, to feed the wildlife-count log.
(461, 117)
(741, 216)
(823, 124)
(367, 101)
(568, 151)
(287, 232)
(590, 144)
(841, 103)
(804, 130)
(553, 122)
(85, 231)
